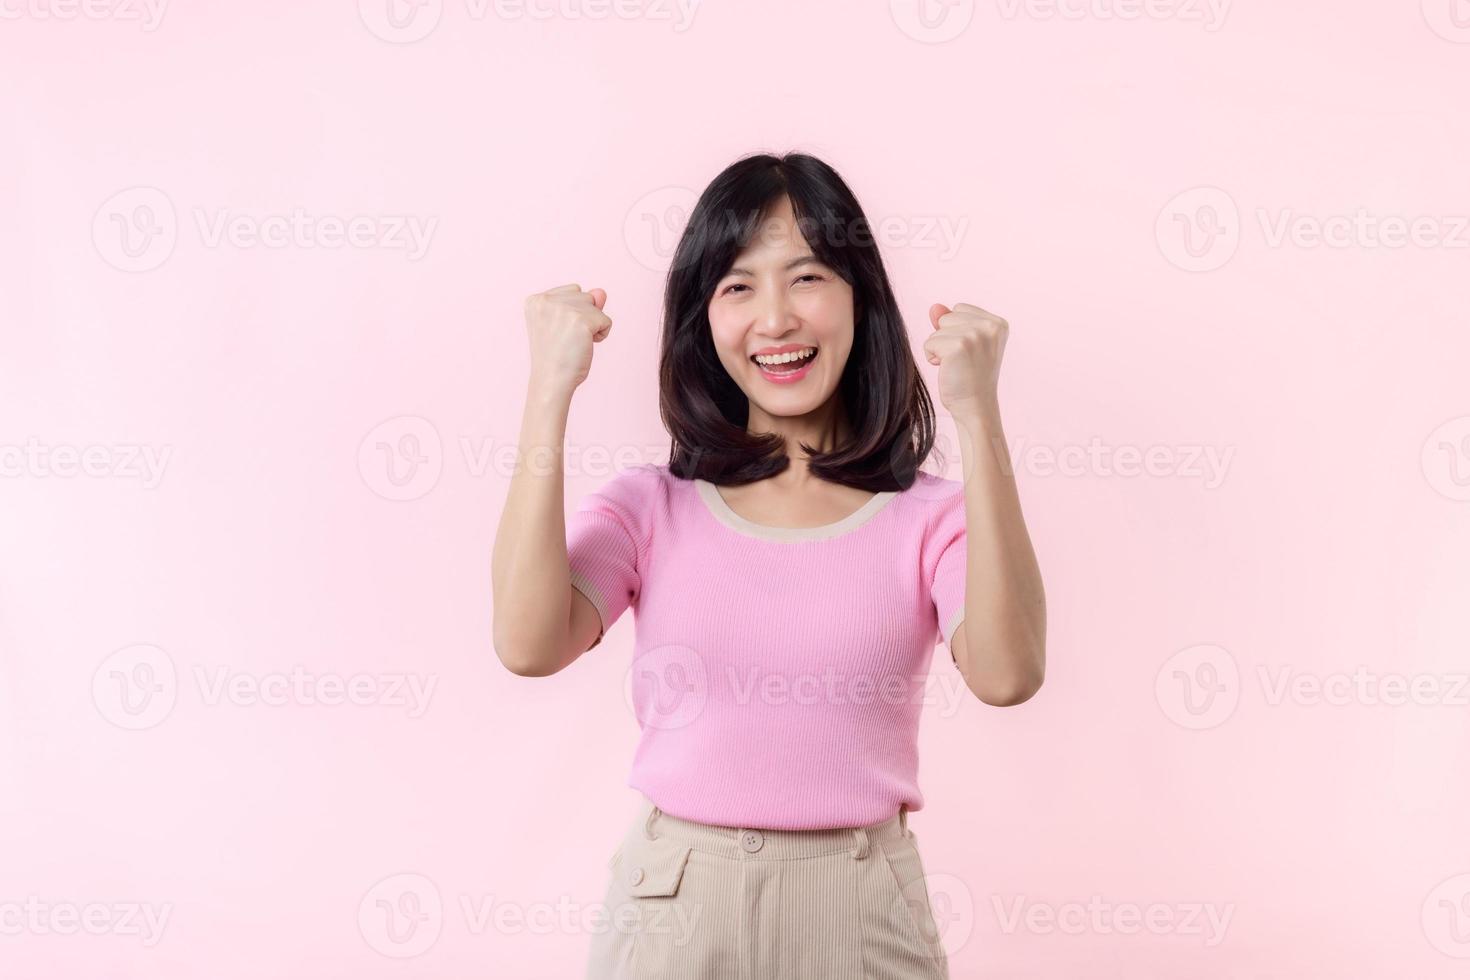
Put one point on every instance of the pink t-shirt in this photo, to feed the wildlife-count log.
(778, 673)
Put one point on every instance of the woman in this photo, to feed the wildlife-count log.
(791, 569)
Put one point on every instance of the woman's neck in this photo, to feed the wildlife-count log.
(824, 430)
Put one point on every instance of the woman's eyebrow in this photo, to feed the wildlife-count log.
(802, 260)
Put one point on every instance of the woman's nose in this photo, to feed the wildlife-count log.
(774, 315)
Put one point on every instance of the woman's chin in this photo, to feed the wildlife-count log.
(783, 404)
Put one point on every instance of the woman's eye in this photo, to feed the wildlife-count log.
(815, 277)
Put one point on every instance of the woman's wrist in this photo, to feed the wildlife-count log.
(548, 396)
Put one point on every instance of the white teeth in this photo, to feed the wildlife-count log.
(785, 358)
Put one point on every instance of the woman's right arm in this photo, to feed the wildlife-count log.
(540, 623)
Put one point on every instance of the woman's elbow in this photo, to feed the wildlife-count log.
(1005, 697)
(1009, 691)
(525, 666)
(524, 659)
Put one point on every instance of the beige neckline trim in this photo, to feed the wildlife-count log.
(710, 494)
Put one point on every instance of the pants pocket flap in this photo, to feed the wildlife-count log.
(652, 868)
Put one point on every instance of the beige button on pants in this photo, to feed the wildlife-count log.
(695, 901)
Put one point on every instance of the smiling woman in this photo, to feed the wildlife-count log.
(790, 570)
(776, 258)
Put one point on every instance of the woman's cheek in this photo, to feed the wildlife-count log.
(727, 337)
(826, 313)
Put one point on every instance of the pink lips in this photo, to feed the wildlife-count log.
(787, 377)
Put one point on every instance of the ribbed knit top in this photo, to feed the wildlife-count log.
(778, 673)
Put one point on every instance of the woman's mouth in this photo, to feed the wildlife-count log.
(786, 368)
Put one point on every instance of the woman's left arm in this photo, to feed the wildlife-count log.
(1000, 646)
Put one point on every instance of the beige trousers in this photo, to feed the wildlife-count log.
(695, 901)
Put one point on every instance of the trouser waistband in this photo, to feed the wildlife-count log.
(754, 843)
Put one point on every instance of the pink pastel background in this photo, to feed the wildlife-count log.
(327, 415)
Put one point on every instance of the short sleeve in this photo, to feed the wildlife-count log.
(607, 543)
(945, 550)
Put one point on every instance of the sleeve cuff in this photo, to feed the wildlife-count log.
(583, 585)
(954, 624)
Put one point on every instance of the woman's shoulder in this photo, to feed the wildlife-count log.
(931, 502)
(931, 491)
(933, 514)
(636, 488)
(646, 475)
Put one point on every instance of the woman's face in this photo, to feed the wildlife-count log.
(778, 298)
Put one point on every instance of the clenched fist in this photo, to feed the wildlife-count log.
(967, 344)
(562, 324)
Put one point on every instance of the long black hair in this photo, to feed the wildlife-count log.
(888, 408)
